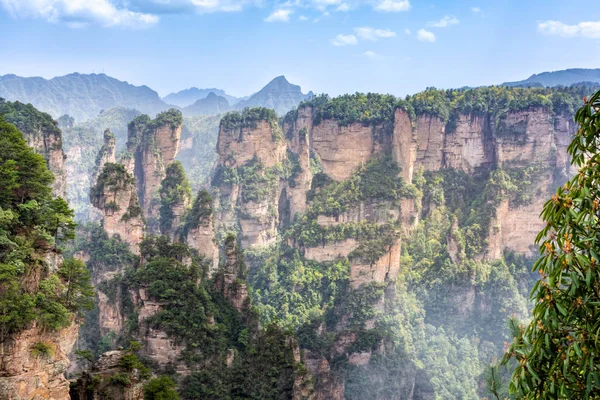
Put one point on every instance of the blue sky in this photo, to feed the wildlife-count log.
(328, 46)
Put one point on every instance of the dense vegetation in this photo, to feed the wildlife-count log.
(32, 225)
(28, 119)
(493, 101)
(195, 314)
(248, 118)
(555, 354)
(174, 192)
(200, 213)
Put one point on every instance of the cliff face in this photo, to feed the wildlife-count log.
(30, 375)
(107, 154)
(115, 195)
(229, 279)
(152, 147)
(328, 208)
(42, 133)
(248, 174)
(199, 231)
(99, 381)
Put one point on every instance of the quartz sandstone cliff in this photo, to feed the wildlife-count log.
(151, 147)
(26, 375)
(474, 144)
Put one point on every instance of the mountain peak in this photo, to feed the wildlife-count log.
(279, 94)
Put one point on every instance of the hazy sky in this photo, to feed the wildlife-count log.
(332, 46)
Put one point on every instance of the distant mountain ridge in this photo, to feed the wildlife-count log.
(279, 95)
(210, 105)
(188, 97)
(82, 96)
(85, 96)
(565, 77)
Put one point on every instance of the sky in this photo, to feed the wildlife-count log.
(327, 46)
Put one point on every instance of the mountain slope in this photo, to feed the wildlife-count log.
(279, 95)
(210, 105)
(188, 97)
(565, 77)
(82, 96)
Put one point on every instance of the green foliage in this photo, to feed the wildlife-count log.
(79, 293)
(174, 191)
(379, 179)
(172, 118)
(114, 177)
(42, 350)
(368, 109)
(256, 180)
(32, 224)
(494, 101)
(29, 120)
(162, 388)
(120, 379)
(85, 355)
(248, 118)
(200, 213)
(292, 290)
(555, 353)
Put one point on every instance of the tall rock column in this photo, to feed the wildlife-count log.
(153, 145)
(115, 195)
(175, 199)
(299, 131)
(198, 230)
(107, 153)
(251, 150)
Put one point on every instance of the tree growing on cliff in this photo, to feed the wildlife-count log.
(557, 353)
(31, 223)
(174, 191)
(79, 292)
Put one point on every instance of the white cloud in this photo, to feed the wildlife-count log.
(445, 22)
(344, 40)
(183, 6)
(476, 10)
(303, 18)
(425, 36)
(582, 29)
(343, 7)
(393, 5)
(373, 34)
(320, 17)
(407, 31)
(281, 15)
(371, 55)
(79, 13)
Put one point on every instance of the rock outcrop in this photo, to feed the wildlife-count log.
(152, 146)
(175, 199)
(115, 195)
(42, 133)
(229, 278)
(107, 154)
(107, 379)
(33, 364)
(251, 150)
(198, 231)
